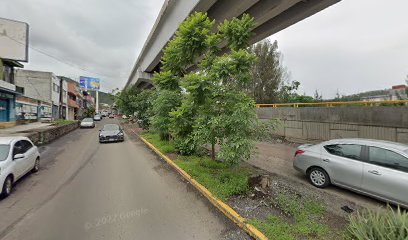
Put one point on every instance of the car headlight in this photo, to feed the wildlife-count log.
(120, 134)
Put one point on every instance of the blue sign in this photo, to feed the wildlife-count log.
(90, 83)
(82, 82)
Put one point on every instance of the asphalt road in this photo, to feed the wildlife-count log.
(87, 190)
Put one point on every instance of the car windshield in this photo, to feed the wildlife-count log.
(110, 127)
(87, 120)
(4, 151)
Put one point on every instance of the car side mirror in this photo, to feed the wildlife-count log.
(18, 156)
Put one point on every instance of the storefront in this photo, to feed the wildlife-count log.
(8, 93)
(26, 111)
(55, 111)
(30, 110)
(45, 113)
(7, 101)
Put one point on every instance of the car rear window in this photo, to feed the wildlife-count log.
(88, 120)
(351, 151)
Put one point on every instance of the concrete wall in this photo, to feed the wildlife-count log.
(37, 85)
(55, 96)
(318, 123)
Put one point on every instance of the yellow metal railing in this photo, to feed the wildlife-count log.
(333, 104)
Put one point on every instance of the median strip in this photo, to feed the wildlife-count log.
(220, 205)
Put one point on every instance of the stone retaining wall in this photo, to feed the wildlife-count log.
(46, 135)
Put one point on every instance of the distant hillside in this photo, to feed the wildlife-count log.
(358, 96)
(104, 97)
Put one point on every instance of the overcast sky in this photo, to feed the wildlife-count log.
(353, 46)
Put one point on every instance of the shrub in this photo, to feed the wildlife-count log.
(369, 224)
(166, 102)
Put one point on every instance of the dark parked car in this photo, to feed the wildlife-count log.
(111, 133)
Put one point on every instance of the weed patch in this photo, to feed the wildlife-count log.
(164, 146)
(300, 220)
(219, 178)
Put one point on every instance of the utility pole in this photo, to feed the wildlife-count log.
(97, 101)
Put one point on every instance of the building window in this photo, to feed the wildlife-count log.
(7, 74)
(56, 88)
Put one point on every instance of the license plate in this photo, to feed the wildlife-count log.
(111, 139)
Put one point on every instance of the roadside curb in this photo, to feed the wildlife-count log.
(223, 207)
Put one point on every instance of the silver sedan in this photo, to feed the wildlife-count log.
(87, 123)
(372, 167)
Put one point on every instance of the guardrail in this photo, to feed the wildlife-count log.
(333, 104)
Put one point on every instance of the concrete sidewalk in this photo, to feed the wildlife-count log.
(23, 128)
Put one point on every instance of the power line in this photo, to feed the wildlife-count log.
(62, 61)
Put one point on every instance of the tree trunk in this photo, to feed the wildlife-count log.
(213, 151)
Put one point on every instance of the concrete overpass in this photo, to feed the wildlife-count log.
(270, 16)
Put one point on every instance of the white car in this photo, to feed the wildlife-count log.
(18, 156)
(97, 117)
(87, 123)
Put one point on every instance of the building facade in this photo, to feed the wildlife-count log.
(75, 99)
(47, 90)
(8, 92)
(397, 92)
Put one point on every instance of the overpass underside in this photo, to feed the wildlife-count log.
(271, 16)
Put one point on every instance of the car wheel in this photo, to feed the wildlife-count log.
(7, 187)
(319, 177)
(36, 167)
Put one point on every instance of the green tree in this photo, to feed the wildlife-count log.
(225, 115)
(143, 104)
(318, 97)
(208, 106)
(189, 43)
(268, 74)
(125, 99)
(89, 112)
(288, 93)
(166, 102)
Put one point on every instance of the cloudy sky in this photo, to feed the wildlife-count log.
(353, 46)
